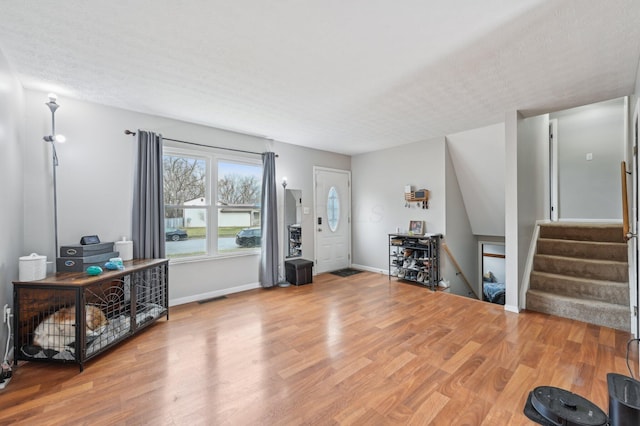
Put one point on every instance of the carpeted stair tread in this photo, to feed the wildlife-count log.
(590, 311)
(583, 249)
(607, 270)
(604, 291)
(583, 232)
(580, 271)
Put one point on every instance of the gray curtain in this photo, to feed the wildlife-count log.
(269, 222)
(148, 198)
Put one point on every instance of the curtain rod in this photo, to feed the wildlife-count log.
(129, 132)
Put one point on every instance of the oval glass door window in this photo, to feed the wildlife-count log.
(333, 209)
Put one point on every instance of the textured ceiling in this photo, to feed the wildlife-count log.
(347, 76)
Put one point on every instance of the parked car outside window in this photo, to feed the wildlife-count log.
(173, 234)
(249, 237)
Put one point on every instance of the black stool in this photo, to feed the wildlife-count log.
(299, 271)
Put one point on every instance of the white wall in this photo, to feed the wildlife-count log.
(511, 210)
(526, 192)
(379, 208)
(95, 184)
(11, 186)
(293, 207)
(590, 189)
(296, 163)
(459, 237)
(478, 158)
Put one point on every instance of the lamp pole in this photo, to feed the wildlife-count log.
(53, 106)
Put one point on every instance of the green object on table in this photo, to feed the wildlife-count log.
(94, 270)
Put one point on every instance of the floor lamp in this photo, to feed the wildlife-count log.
(53, 138)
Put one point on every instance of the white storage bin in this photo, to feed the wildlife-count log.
(32, 267)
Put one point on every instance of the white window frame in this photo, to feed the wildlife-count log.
(212, 158)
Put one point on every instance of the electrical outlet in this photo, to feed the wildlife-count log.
(5, 314)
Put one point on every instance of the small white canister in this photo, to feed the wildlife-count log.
(124, 248)
(32, 267)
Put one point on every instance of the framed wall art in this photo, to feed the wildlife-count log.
(416, 227)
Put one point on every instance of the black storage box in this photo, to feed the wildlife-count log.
(299, 271)
(79, 250)
(80, 264)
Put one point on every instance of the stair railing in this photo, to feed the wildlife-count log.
(626, 233)
(457, 266)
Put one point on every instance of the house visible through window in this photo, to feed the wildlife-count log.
(239, 191)
(193, 225)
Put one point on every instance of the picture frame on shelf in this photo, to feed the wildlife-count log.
(416, 227)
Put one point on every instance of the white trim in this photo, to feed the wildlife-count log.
(616, 221)
(212, 160)
(215, 293)
(317, 169)
(370, 269)
(511, 308)
(634, 247)
(480, 271)
(210, 258)
(528, 266)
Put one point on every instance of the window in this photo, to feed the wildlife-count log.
(239, 191)
(194, 226)
(333, 209)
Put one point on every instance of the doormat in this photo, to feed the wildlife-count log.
(347, 272)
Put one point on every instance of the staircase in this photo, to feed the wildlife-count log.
(580, 271)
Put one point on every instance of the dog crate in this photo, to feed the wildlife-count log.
(72, 317)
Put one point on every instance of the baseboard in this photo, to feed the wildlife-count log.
(215, 293)
(9, 353)
(9, 356)
(512, 308)
(370, 269)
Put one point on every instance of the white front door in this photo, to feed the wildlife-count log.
(332, 219)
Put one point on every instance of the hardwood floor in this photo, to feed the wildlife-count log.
(356, 350)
